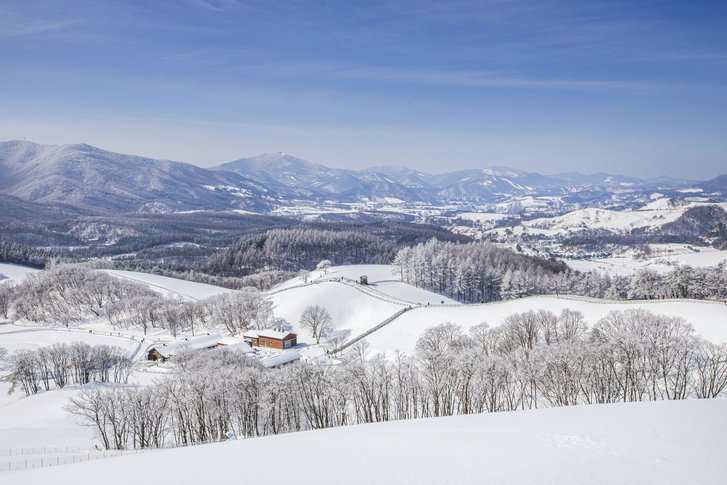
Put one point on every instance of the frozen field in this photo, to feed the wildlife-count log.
(667, 442)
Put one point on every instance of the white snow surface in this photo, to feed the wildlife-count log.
(664, 258)
(40, 420)
(349, 308)
(593, 218)
(666, 442)
(14, 273)
(173, 287)
(709, 319)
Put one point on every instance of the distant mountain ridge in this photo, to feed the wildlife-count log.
(92, 180)
(100, 181)
(470, 185)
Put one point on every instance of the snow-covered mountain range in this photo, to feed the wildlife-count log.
(99, 181)
(279, 170)
(93, 180)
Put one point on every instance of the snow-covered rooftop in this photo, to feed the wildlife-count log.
(280, 359)
(273, 334)
(193, 343)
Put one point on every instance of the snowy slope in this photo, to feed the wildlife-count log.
(592, 218)
(709, 319)
(172, 287)
(406, 292)
(663, 259)
(382, 278)
(668, 442)
(14, 338)
(350, 309)
(14, 273)
(40, 420)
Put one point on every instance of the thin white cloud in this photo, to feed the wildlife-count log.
(477, 78)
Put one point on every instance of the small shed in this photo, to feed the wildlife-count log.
(271, 339)
(166, 350)
(363, 279)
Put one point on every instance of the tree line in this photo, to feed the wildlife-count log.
(66, 294)
(301, 247)
(481, 272)
(534, 359)
(59, 365)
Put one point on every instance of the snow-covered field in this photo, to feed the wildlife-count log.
(652, 215)
(667, 442)
(382, 278)
(39, 420)
(709, 319)
(349, 308)
(360, 308)
(14, 273)
(13, 338)
(664, 258)
(172, 287)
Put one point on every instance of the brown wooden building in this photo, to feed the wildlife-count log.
(271, 339)
(163, 351)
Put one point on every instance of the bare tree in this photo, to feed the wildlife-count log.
(316, 319)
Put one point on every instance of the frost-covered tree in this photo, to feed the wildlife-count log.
(324, 266)
(317, 320)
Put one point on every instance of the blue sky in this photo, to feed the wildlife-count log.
(632, 87)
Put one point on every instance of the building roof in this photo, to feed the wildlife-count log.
(230, 340)
(280, 359)
(274, 334)
(267, 333)
(193, 343)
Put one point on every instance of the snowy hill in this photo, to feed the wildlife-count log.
(96, 180)
(593, 219)
(14, 273)
(667, 442)
(358, 309)
(172, 287)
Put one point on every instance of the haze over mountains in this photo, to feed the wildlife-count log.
(92, 180)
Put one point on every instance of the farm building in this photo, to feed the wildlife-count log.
(271, 339)
(280, 359)
(236, 344)
(166, 350)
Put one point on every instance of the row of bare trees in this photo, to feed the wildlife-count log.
(534, 359)
(59, 365)
(67, 294)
